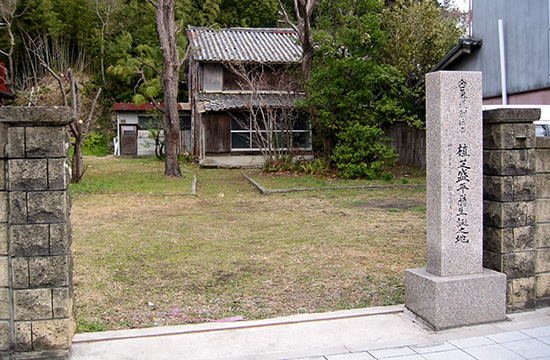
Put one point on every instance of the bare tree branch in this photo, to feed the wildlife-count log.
(89, 121)
(59, 81)
(7, 14)
(271, 112)
(286, 18)
(104, 14)
(21, 93)
(145, 63)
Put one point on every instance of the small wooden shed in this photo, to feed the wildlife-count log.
(135, 121)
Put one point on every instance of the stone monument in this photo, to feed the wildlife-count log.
(454, 289)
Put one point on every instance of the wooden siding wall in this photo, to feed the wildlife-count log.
(213, 76)
(218, 132)
(409, 144)
(273, 78)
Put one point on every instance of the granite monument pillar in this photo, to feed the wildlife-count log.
(454, 289)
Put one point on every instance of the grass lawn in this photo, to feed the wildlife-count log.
(229, 251)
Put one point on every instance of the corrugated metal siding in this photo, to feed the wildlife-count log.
(245, 44)
(526, 38)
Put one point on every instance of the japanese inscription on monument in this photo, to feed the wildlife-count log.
(463, 169)
(455, 178)
(462, 190)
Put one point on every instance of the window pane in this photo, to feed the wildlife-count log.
(301, 140)
(260, 122)
(237, 123)
(260, 140)
(149, 122)
(240, 140)
(185, 120)
(300, 122)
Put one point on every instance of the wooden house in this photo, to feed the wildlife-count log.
(238, 78)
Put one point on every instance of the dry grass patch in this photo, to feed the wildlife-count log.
(230, 251)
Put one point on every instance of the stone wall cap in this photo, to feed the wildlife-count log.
(522, 115)
(36, 115)
(543, 143)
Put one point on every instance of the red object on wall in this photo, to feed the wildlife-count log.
(3, 77)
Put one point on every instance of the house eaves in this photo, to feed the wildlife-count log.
(465, 46)
(145, 106)
(224, 102)
(257, 45)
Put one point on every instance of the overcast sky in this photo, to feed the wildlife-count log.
(461, 4)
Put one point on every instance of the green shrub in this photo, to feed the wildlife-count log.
(387, 176)
(95, 144)
(361, 152)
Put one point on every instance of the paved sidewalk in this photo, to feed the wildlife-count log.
(532, 343)
(373, 333)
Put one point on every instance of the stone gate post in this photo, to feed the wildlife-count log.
(509, 200)
(36, 296)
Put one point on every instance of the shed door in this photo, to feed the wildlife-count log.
(128, 140)
(218, 132)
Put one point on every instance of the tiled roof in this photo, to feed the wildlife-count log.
(220, 102)
(245, 44)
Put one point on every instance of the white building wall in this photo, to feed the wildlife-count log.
(146, 145)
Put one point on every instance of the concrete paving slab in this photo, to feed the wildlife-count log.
(342, 333)
(530, 349)
(472, 342)
(491, 352)
(449, 354)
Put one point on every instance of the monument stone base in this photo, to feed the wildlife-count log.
(453, 301)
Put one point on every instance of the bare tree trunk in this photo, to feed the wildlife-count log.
(167, 30)
(77, 161)
(79, 127)
(304, 11)
(104, 9)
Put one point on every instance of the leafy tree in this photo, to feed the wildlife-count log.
(354, 92)
(201, 12)
(361, 152)
(248, 13)
(421, 33)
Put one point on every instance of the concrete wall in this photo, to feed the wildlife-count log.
(36, 296)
